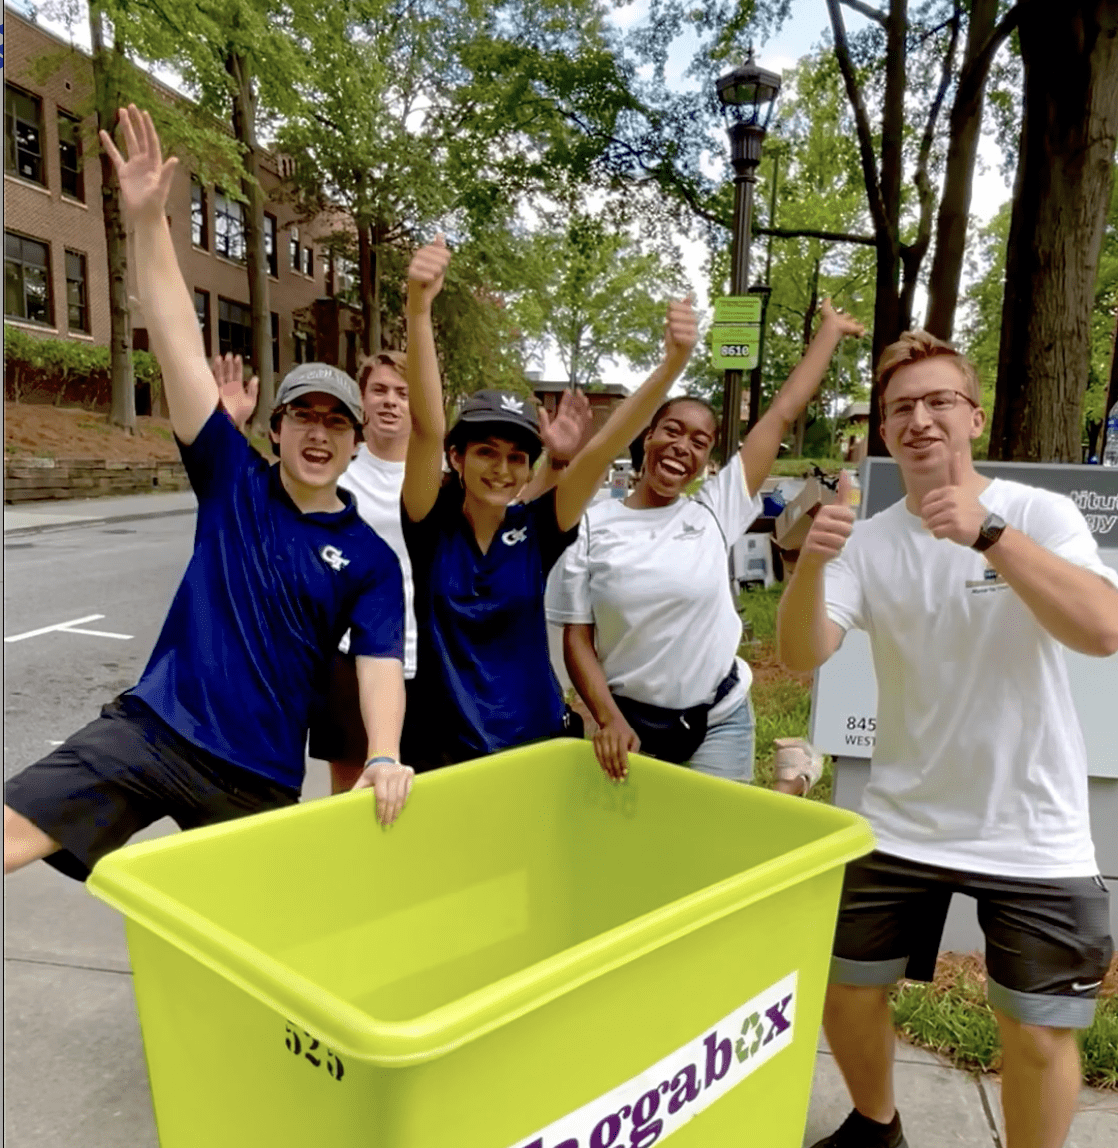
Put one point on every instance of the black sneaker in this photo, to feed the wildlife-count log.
(858, 1131)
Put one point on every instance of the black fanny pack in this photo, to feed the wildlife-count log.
(672, 735)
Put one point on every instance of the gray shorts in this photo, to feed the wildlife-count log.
(1048, 943)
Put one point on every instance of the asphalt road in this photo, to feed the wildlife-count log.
(74, 1070)
(57, 681)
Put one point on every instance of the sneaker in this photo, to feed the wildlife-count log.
(796, 758)
(858, 1131)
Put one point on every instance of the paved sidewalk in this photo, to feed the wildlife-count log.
(942, 1107)
(50, 514)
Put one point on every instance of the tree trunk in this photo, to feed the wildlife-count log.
(244, 129)
(1062, 192)
(365, 279)
(954, 205)
(106, 66)
(799, 427)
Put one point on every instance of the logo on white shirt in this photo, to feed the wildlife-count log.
(333, 557)
(689, 533)
(512, 537)
(508, 403)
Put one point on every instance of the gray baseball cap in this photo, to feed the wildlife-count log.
(308, 378)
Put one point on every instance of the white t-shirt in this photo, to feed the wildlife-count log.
(656, 585)
(979, 762)
(375, 484)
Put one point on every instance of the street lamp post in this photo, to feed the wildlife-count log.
(747, 95)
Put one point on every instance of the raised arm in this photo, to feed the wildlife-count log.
(563, 437)
(237, 397)
(578, 482)
(145, 180)
(759, 451)
(424, 468)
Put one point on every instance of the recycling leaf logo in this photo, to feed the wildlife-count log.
(751, 1024)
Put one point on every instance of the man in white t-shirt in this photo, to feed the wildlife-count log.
(969, 589)
(374, 478)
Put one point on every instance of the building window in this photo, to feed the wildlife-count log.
(76, 297)
(229, 228)
(27, 280)
(234, 329)
(70, 155)
(304, 346)
(308, 260)
(294, 249)
(23, 135)
(270, 256)
(275, 342)
(199, 215)
(342, 278)
(202, 310)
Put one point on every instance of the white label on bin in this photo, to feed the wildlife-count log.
(659, 1101)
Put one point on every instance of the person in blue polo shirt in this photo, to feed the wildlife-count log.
(480, 561)
(282, 566)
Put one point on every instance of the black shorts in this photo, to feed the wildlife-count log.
(337, 728)
(1048, 942)
(122, 772)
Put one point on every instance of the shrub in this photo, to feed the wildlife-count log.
(67, 371)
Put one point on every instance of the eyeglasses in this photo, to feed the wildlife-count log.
(935, 403)
(305, 417)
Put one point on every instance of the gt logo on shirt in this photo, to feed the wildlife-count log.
(512, 537)
(333, 558)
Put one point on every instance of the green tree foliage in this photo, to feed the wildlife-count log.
(594, 295)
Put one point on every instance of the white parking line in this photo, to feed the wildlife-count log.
(69, 628)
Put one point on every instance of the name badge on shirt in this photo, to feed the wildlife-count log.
(991, 580)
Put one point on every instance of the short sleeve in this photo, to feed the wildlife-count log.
(545, 521)
(843, 590)
(377, 620)
(217, 456)
(1057, 524)
(567, 601)
(727, 497)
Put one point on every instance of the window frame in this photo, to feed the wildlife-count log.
(232, 210)
(84, 327)
(271, 257)
(12, 95)
(308, 260)
(75, 122)
(22, 262)
(226, 325)
(204, 319)
(202, 200)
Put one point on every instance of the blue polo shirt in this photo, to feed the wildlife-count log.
(265, 599)
(484, 680)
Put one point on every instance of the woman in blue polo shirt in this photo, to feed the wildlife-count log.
(480, 562)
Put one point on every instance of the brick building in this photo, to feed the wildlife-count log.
(55, 270)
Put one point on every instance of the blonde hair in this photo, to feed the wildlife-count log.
(397, 360)
(915, 346)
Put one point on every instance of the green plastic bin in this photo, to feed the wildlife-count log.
(532, 957)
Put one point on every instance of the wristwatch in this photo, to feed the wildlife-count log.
(989, 532)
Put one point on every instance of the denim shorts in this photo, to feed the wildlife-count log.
(727, 749)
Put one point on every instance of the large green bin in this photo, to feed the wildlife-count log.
(531, 957)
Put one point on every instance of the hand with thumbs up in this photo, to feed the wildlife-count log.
(426, 274)
(832, 526)
(953, 511)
